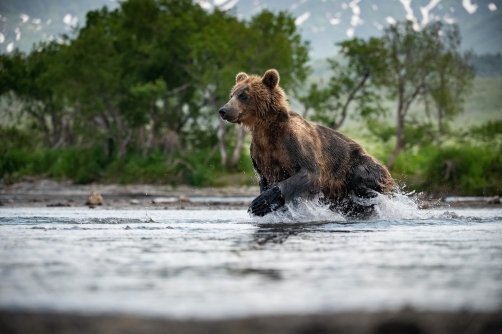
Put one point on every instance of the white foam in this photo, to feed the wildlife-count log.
(398, 206)
(302, 212)
(386, 207)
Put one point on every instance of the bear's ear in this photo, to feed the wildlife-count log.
(240, 77)
(271, 78)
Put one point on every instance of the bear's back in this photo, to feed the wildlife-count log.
(336, 158)
(294, 144)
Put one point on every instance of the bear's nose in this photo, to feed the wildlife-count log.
(222, 112)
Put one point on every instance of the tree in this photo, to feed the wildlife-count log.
(452, 80)
(423, 71)
(32, 81)
(349, 83)
(127, 69)
(420, 65)
(95, 79)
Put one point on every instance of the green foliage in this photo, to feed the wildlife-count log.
(12, 71)
(278, 31)
(348, 84)
(12, 162)
(86, 165)
(81, 165)
(146, 77)
(11, 137)
(382, 131)
(456, 169)
(468, 163)
(424, 69)
(20, 156)
(471, 169)
(488, 131)
(12, 142)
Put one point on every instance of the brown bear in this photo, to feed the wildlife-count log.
(295, 158)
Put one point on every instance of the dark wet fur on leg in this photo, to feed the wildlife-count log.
(268, 201)
(352, 207)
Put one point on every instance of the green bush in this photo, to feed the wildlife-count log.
(13, 144)
(460, 169)
(471, 165)
(86, 165)
(83, 165)
(471, 169)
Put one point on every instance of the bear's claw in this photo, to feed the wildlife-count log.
(266, 202)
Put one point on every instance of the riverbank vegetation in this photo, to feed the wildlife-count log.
(469, 163)
(132, 97)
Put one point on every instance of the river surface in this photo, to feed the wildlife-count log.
(222, 263)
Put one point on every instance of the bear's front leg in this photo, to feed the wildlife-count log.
(303, 184)
(268, 201)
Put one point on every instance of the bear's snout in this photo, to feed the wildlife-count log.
(229, 113)
(223, 112)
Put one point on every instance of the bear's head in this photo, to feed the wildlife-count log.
(255, 99)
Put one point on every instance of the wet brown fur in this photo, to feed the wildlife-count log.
(284, 144)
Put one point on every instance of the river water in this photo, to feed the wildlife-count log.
(222, 263)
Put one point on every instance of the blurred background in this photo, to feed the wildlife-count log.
(128, 92)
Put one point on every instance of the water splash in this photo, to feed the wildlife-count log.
(397, 206)
(302, 211)
(385, 207)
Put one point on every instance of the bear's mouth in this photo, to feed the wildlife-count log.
(230, 119)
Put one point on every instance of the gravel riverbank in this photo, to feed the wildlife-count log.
(401, 322)
(50, 193)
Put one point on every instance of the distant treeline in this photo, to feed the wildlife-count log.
(488, 65)
(148, 76)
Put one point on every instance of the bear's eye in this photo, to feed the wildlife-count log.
(242, 96)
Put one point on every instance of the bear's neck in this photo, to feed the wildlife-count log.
(268, 135)
(269, 125)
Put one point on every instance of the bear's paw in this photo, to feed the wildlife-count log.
(268, 201)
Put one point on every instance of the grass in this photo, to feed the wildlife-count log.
(87, 165)
(483, 104)
(468, 164)
(463, 166)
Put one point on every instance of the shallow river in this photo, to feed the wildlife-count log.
(218, 264)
